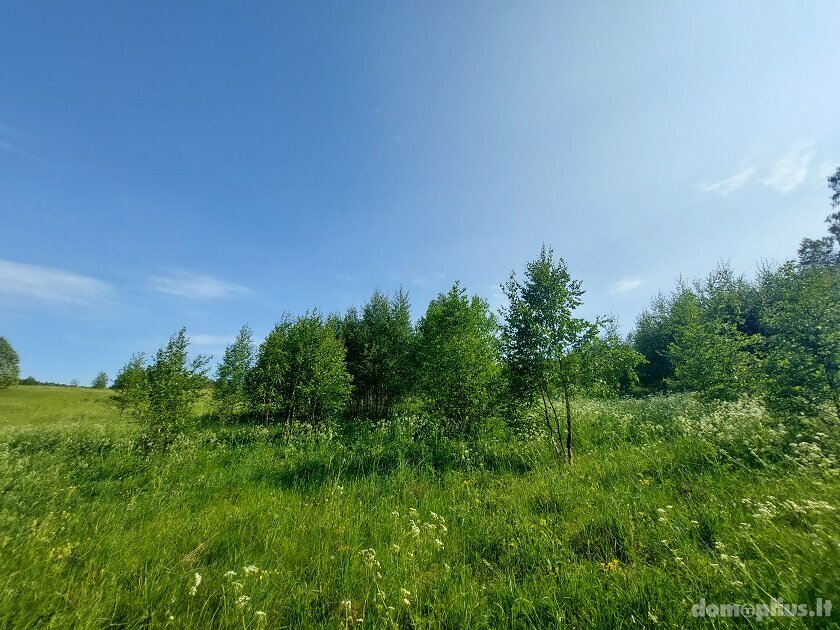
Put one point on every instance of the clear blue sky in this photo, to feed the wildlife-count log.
(208, 164)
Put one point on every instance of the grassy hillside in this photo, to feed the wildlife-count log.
(668, 502)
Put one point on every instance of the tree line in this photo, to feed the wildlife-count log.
(776, 337)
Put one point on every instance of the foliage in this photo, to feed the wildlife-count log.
(100, 381)
(457, 360)
(175, 384)
(229, 390)
(379, 345)
(402, 528)
(300, 374)
(540, 334)
(709, 353)
(9, 364)
(606, 366)
(132, 388)
(803, 348)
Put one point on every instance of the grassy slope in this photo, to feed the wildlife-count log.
(93, 534)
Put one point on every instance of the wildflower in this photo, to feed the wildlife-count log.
(660, 510)
(395, 548)
(260, 615)
(395, 514)
(405, 592)
(348, 604)
(230, 574)
(369, 557)
(250, 569)
(695, 522)
(406, 602)
(194, 587)
(662, 519)
(439, 543)
(243, 601)
(737, 583)
(645, 482)
(612, 565)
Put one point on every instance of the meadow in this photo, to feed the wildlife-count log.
(670, 500)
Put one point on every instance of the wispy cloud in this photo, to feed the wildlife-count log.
(211, 340)
(730, 184)
(33, 282)
(625, 286)
(8, 139)
(195, 286)
(790, 171)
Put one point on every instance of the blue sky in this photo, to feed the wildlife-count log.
(210, 164)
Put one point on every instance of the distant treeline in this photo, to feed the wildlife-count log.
(776, 337)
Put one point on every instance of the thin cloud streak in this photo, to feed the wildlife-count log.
(195, 286)
(34, 282)
(730, 184)
(791, 171)
(625, 286)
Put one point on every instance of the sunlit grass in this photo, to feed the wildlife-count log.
(391, 530)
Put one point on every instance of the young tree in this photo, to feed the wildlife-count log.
(803, 345)
(100, 381)
(132, 388)
(711, 351)
(174, 385)
(229, 392)
(539, 335)
(379, 346)
(300, 375)
(457, 360)
(9, 364)
(607, 365)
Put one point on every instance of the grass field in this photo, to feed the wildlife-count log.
(669, 502)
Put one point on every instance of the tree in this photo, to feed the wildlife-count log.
(711, 350)
(174, 385)
(100, 381)
(607, 365)
(539, 336)
(457, 360)
(379, 352)
(9, 364)
(300, 375)
(229, 391)
(132, 388)
(803, 346)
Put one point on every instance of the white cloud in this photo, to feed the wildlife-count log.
(211, 340)
(194, 286)
(20, 280)
(625, 286)
(730, 184)
(791, 171)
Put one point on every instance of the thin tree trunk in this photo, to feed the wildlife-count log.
(550, 429)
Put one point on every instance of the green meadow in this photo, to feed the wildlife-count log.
(670, 501)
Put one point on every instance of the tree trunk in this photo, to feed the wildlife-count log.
(550, 429)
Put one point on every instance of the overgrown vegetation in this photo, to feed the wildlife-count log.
(358, 470)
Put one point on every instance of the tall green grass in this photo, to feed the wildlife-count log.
(668, 502)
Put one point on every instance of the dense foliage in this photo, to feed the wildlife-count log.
(9, 364)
